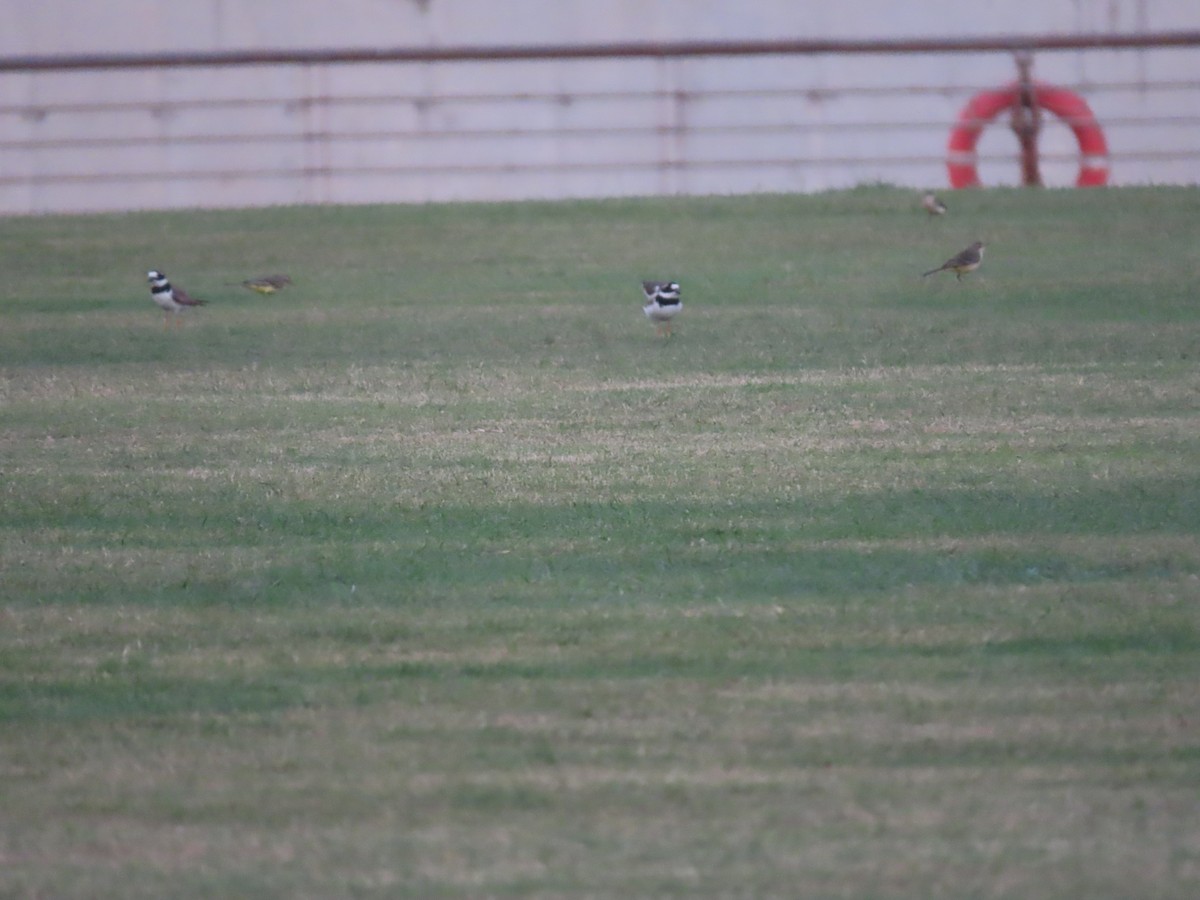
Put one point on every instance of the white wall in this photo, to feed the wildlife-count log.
(385, 133)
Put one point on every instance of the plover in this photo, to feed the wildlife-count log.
(663, 303)
(169, 299)
(933, 205)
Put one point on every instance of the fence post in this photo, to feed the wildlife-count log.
(1026, 120)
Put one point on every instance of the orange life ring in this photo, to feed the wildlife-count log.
(1067, 105)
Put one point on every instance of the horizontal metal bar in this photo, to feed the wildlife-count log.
(681, 131)
(656, 50)
(552, 168)
(554, 97)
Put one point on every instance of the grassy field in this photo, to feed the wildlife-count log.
(438, 575)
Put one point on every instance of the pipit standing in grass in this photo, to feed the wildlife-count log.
(663, 303)
(268, 284)
(933, 205)
(169, 299)
(967, 261)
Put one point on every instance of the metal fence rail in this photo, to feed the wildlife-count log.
(656, 50)
(97, 132)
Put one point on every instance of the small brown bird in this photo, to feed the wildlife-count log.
(933, 205)
(967, 261)
(169, 299)
(268, 284)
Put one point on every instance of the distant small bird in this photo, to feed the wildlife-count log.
(933, 205)
(663, 303)
(169, 299)
(967, 261)
(268, 284)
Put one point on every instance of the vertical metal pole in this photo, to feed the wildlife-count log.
(1027, 120)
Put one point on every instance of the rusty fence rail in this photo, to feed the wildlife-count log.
(106, 132)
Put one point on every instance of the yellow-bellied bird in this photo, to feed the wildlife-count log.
(967, 261)
(268, 284)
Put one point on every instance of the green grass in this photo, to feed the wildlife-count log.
(438, 575)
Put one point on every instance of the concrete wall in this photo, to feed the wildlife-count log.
(387, 132)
